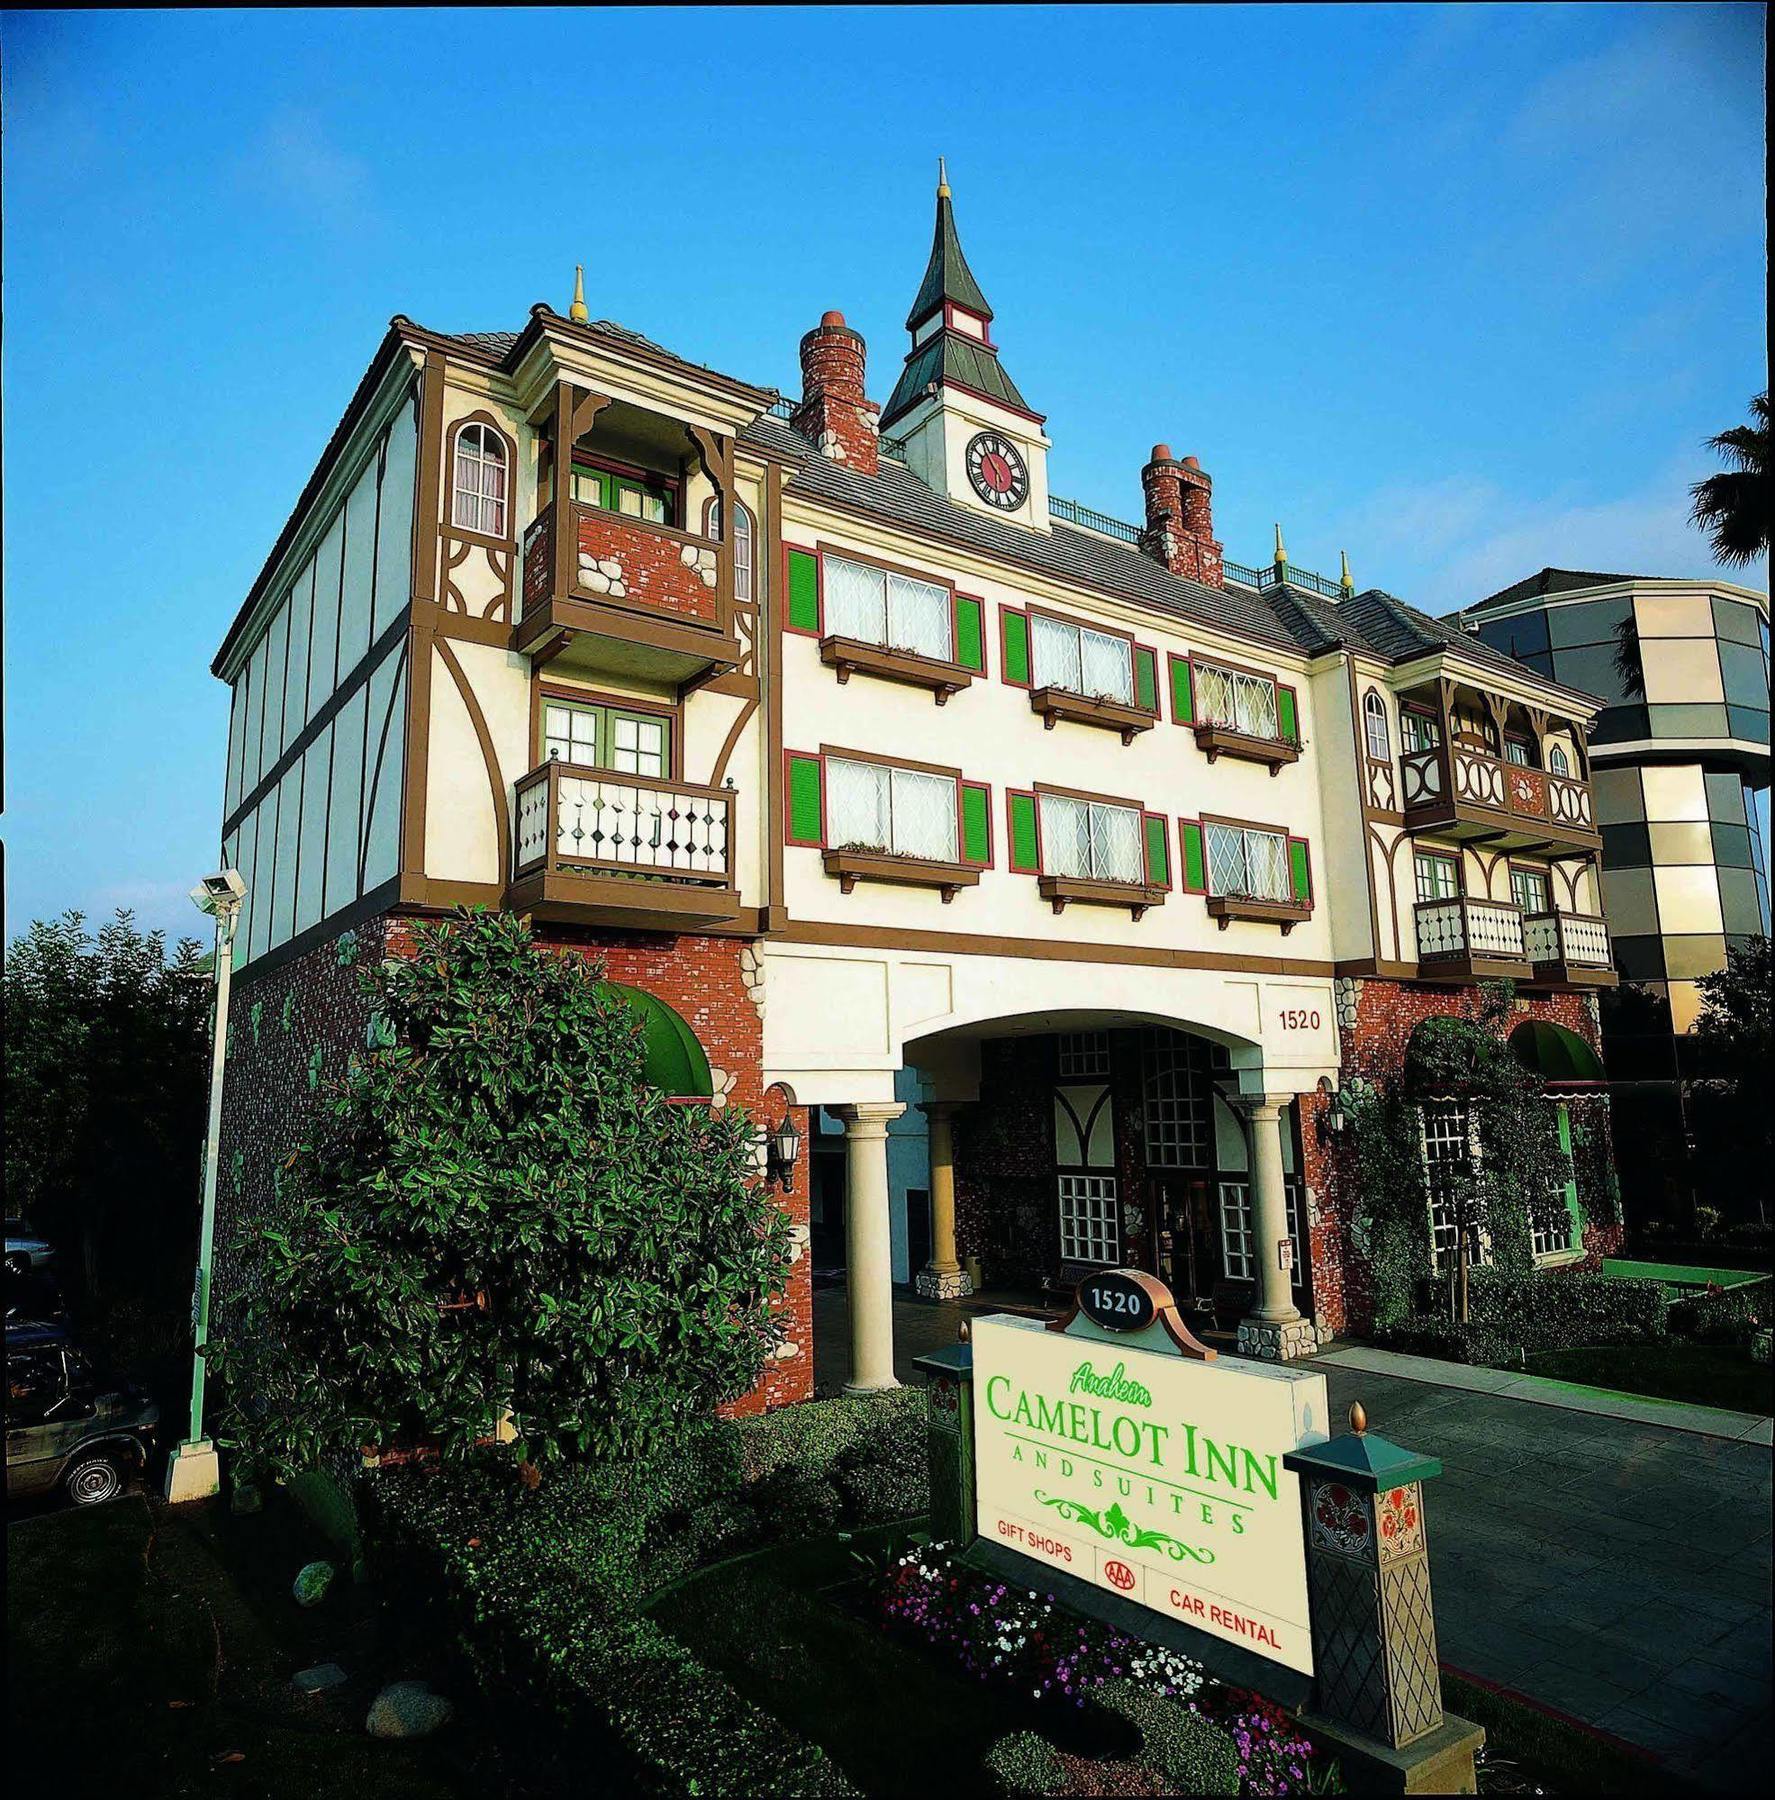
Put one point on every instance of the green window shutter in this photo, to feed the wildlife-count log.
(1026, 854)
(976, 823)
(970, 633)
(1183, 693)
(1300, 872)
(807, 800)
(1195, 861)
(1573, 1209)
(1146, 679)
(804, 591)
(1158, 851)
(1287, 714)
(1013, 627)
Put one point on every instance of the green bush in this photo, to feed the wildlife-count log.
(1724, 1315)
(1515, 1312)
(1025, 1767)
(1189, 1753)
(547, 1583)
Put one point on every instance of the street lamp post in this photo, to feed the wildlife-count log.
(192, 1472)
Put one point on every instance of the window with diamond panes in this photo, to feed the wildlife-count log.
(1237, 1246)
(1084, 1055)
(877, 606)
(1248, 865)
(1090, 1219)
(1177, 1100)
(1239, 702)
(607, 737)
(1088, 838)
(896, 812)
(1081, 661)
(1448, 1159)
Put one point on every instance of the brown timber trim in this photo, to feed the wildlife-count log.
(845, 655)
(769, 554)
(852, 866)
(951, 943)
(1067, 793)
(1359, 749)
(1286, 913)
(447, 511)
(502, 825)
(1219, 740)
(467, 628)
(427, 520)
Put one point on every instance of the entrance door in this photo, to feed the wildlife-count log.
(1189, 1244)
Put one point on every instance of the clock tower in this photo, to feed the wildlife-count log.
(964, 428)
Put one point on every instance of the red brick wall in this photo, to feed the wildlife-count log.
(1387, 1012)
(834, 411)
(1180, 517)
(652, 569)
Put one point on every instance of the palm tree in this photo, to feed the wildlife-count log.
(1733, 507)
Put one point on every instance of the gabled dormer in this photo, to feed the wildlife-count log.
(962, 426)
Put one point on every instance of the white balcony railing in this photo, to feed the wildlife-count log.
(1579, 940)
(1464, 928)
(569, 817)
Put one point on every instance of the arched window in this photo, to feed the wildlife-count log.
(742, 544)
(479, 482)
(1558, 761)
(1374, 725)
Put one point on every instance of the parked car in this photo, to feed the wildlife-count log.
(33, 1294)
(67, 1425)
(24, 1249)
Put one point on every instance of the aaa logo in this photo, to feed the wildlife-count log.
(1119, 1575)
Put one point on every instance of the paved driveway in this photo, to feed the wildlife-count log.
(1614, 1569)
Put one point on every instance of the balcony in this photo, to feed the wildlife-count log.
(1483, 796)
(598, 848)
(627, 596)
(1470, 940)
(1056, 704)
(1569, 950)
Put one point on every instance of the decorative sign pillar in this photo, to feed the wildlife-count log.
(1377, 1691)
(950, 1441)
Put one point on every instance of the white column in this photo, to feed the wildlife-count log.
(1275, 1328)
(869, 1272)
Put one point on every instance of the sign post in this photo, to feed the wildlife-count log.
(1175, 1494)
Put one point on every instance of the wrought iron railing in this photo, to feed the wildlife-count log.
(1072, 513)
(1463, 927)
(571, 817)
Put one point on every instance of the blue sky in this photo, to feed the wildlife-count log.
(1459, 289)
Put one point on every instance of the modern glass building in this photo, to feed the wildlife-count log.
(1681, 777)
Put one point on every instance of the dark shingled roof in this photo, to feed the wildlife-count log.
(1549, 581)
(947, 275)
(951, 357)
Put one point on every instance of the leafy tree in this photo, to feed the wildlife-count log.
(1732, 507)
(1730, 1107)
(497, 1218)
(107, 1080)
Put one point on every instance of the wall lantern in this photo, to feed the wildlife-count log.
(781, 1152)
(1334, 1119)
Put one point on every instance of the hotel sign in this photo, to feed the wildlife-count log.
(1150, 1473)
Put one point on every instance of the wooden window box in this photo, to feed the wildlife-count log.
(848, 655)
(1222, 740)
(1055, 704)
(1058, 890)
(1286, 913)
(852, 866)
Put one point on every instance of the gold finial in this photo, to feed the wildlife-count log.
(1281, 549)
(942, 180)
(577, 311)
(1358, 1418)
(964, 1332)
(1345, 583)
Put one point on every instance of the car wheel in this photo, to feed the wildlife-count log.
(93, 1480)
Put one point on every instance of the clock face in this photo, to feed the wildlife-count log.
(997, 471)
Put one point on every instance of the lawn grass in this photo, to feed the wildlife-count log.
(1696, 1374)
(147, 1646)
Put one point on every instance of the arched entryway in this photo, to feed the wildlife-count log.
(675, 1061)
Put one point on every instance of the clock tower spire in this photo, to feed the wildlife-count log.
(966, 430)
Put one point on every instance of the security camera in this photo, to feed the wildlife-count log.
(222, 892)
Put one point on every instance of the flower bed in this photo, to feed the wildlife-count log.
(1020, 1637)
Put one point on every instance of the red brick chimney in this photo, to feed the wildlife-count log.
(1180, 517)
(833, 411)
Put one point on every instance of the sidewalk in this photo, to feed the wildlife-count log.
(1603, 1556)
